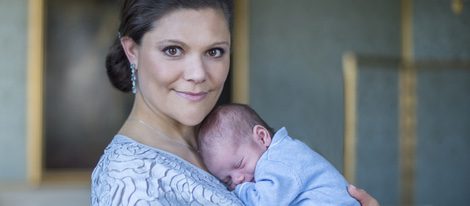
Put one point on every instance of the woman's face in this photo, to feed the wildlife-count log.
(182, 64)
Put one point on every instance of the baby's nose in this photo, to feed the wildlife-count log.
(239, 179)
(236, 181)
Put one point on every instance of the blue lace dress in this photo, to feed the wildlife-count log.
(130, 173)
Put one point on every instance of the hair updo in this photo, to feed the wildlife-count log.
(137, 18)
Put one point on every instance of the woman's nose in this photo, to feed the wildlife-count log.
(195, 71)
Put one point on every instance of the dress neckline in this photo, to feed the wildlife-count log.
(129, 139)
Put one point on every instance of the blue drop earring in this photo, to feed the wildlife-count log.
(133, 78)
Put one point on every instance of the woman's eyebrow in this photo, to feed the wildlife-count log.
(225, 43)
(171, 41)
(182, 44)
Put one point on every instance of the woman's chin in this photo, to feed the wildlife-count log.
(193, 120)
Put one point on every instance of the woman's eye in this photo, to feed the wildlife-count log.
(217, 52)
(173, 51)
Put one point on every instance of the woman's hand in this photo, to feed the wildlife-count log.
(362, 196)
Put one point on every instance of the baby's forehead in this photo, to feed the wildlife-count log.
(220, 139)
(219, 158)
(220, 152)
(217, 148)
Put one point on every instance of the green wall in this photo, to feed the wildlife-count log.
(296, 81)
(13, 36)
(443, 130)
(296, 78)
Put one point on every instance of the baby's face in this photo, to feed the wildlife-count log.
(234, 165)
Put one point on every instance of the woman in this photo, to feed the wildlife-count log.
(174, 56)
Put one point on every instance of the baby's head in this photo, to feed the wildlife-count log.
(231, 140)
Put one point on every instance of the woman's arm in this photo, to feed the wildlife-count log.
(362, 196)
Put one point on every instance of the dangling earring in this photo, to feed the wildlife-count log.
(133, 78)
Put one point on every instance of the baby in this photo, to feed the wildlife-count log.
(239, 148)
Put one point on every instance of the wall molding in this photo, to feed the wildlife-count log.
(35, 91)
(241, 60)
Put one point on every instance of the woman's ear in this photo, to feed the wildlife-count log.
(261, 135)
(131, 49)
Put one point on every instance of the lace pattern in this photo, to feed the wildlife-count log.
(130, 173)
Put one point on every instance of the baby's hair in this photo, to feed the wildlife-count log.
(229, 120)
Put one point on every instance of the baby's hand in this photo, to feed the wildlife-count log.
(232, 184)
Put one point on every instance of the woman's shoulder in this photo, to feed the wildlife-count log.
(154, 175)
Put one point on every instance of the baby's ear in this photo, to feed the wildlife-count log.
(261, 135)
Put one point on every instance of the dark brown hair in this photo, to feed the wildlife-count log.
(137, 18)
(229, 121)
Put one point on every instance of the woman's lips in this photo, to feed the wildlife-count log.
(192, 96)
